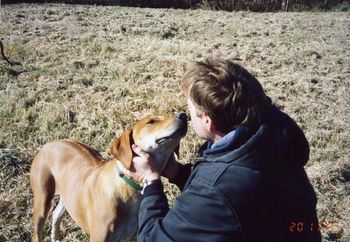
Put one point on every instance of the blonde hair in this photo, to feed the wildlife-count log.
(226, 92)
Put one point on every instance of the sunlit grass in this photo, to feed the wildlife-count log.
(88, 73)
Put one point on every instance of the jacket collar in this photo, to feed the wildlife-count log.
(230, 141)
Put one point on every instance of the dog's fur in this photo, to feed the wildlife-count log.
(98, 200)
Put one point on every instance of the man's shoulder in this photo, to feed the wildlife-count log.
(228, 175)
(209, 172)
(240, 182)
(236, 186)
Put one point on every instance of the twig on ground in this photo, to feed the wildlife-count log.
(5, 58)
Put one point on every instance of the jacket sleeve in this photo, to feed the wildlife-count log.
(182, 176)
(200, 213)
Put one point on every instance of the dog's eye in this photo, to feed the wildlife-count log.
(151, 121)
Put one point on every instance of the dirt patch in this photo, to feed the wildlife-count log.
(88, 72)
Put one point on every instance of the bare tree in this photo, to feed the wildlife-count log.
(286, 5)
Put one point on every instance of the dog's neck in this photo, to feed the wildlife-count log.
(114, 185)
(128, 177)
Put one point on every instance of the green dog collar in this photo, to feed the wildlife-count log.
(128, 180)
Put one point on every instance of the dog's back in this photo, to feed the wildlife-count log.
(51, 174)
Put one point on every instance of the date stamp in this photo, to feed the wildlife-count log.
(302, 226)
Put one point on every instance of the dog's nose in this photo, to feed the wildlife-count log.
(181, 116)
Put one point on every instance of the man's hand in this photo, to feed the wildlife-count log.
(144, 165)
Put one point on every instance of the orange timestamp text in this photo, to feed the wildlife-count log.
(301, 226)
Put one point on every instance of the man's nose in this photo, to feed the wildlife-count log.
(181, 116)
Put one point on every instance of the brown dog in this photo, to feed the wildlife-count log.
(98, 196)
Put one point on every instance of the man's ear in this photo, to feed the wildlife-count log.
(208, 122)
(212, 126)
(121, 149)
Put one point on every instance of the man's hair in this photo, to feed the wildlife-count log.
(226, 92)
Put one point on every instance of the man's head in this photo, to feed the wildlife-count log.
(226, 93)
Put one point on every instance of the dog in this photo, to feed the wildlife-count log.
(98, 195)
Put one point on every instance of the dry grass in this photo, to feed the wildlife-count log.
(89, 72)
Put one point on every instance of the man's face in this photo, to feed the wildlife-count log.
(199, 121)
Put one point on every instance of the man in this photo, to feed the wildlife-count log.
(248, 182)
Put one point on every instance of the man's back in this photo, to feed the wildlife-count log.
(268, 192)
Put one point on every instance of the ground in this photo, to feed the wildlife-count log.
(88, 72)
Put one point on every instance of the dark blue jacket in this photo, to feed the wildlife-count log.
(252, 188)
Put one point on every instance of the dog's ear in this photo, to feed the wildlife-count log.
(121, 149)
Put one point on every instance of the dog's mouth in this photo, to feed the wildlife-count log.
(177, 134)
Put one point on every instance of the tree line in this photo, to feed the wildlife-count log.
(227, 5)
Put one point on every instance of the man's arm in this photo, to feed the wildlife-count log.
(200, 213)
(178, 173)
(183, 173)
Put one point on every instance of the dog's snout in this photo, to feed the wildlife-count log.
(181, 116)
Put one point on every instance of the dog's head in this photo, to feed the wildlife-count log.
(160, 136)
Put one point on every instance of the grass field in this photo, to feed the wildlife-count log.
(88, 72)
